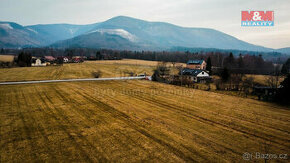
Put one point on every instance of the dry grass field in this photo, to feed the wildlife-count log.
(6, 58)
(82, 70)
(130, 121)
(262, 79)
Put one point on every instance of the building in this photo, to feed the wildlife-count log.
(196, 64)
(37, 63)
(49, 58)
(196, 75)
(65, 59)
(77, 59)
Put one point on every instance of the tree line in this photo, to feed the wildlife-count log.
(245, 64)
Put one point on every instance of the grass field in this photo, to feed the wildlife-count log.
(6, 58)
(133, 121)
(82, 70)
(130, 121)
(262, 79)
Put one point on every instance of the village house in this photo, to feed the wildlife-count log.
(65, 59)
(37, 63)
(195, 75)
(196, 64)
(77, 59)
(50, 59)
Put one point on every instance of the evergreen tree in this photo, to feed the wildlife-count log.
(229, 61)
(208, 65)
(24, 59)
(282, 95)
(99, 56)
(225, 75)
(286, 67)
(240, 62)
(70, 53)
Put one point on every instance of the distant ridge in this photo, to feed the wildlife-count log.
(121, 32)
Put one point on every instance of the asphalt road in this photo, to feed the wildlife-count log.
(70, 80)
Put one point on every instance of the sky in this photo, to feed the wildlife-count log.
(222, 15)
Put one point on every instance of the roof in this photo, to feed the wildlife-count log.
(51, 58)
(41, 59)
(193, 72)
(195, 62)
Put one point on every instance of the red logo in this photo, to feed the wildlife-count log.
(257, 18)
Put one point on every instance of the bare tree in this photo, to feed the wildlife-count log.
(248, 83)
(273, 80)
(180, 68)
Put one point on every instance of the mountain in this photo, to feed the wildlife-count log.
(163, 36)
(56, 32)
(284, 50)
(98, 40)
(13, 35)
(120, 32)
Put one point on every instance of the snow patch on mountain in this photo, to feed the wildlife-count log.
(6, 26)
(121, 32)
(32, 30)
(72, 31)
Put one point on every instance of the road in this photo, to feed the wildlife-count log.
(70, 80)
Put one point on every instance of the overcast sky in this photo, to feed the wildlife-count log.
(223, 15)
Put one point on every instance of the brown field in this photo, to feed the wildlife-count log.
(135, 121)
(262, 79)
(75, 71)
(129, 62)
(131, 121)
(6, 58)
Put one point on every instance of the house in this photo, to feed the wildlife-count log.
(196, 64)
(195, 75)
(37, 63)
(65, 59)
(77, 59)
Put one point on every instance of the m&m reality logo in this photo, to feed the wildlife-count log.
(257, 18)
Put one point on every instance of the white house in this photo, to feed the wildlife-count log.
(65, 60)
(38, 63)
(196, 75)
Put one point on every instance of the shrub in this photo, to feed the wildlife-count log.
(97, 74)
